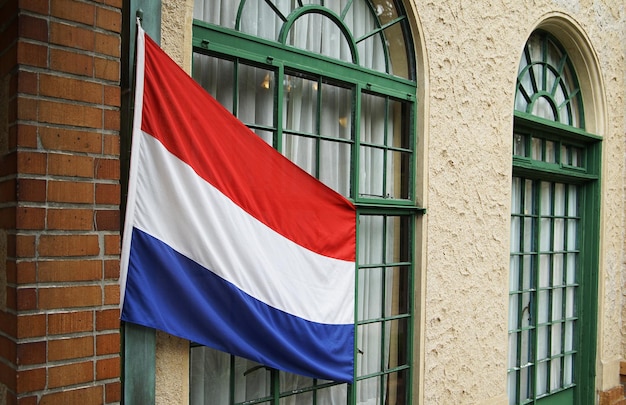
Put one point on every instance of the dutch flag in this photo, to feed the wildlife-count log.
(226, 242)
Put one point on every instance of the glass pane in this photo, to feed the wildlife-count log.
(216, 76)
(256, 96)
(258, 19)
(370, 239)
(396, 343)
(252, 380)
(369, 339)
(300, 104)
(302, 151)
(209, 373)
(397, 229)
(396, 388)
(370, 290)
(371, 173)
(397, 175)
(368, 391)
(318, 34)
(519, 145)
(336, 111)
(397, 133)
(334, 166)
(397, 291)
(373, 118)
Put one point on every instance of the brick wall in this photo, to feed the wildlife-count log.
(59, 201)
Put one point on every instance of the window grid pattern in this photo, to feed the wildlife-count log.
(352, 129)
(546, 84)
(543, 288)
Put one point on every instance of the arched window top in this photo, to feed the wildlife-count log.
(372, 34)
(547, 86)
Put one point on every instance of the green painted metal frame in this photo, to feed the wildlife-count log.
(588, 179)
(138, 342)
(240, 47)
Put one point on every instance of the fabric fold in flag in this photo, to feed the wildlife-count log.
(226, 242)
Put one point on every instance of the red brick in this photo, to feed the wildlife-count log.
(70, 374)
(71, 62)
(112, 96)
(70, 140)
(26, 299)
(71, 89)
(7, 218)
(73, 11)
(108, 169)
(107, 69)
(107, 220)
(70, 297)
(54, 112)
(8, 191)
(108, 344)
(8, 376)
(24, 246)
(26, 136)
(72, 36)
(112, 294)
(108, 19)
(32, 54)
(108, 44)
(109, 194)
(8, 164)
(11, 299)
(113, 392)
(31, 190)
(9, 324)
(70, 165)
(37, 6)
(31, 353)
(27, 108)
(108, 368)
(70, 322)
(71, 192)
(31, 380)
(30, 218)
(26, 272)
(27, 83)
(8, 349)
(107, 319)
(111, 145)
(31, 162)
(87, 396)
(70, 219)
(33, 28)
(68, 245)
(112, 119)
(31, 326)
(69, 270)
(111, 244)
(112, 269)
(72, 348)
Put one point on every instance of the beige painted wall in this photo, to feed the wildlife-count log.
(469, 54)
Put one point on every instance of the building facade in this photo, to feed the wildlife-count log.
(483, 144)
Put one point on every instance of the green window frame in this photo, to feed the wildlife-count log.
(554, 233)
(386, 204)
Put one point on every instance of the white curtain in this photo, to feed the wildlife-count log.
(210, 369)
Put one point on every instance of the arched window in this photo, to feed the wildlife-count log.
(331, 85)
(554, 233)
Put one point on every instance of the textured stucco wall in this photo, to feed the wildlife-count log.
(469, 61)
(473, 51)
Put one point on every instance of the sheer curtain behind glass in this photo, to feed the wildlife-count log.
(317, 123)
